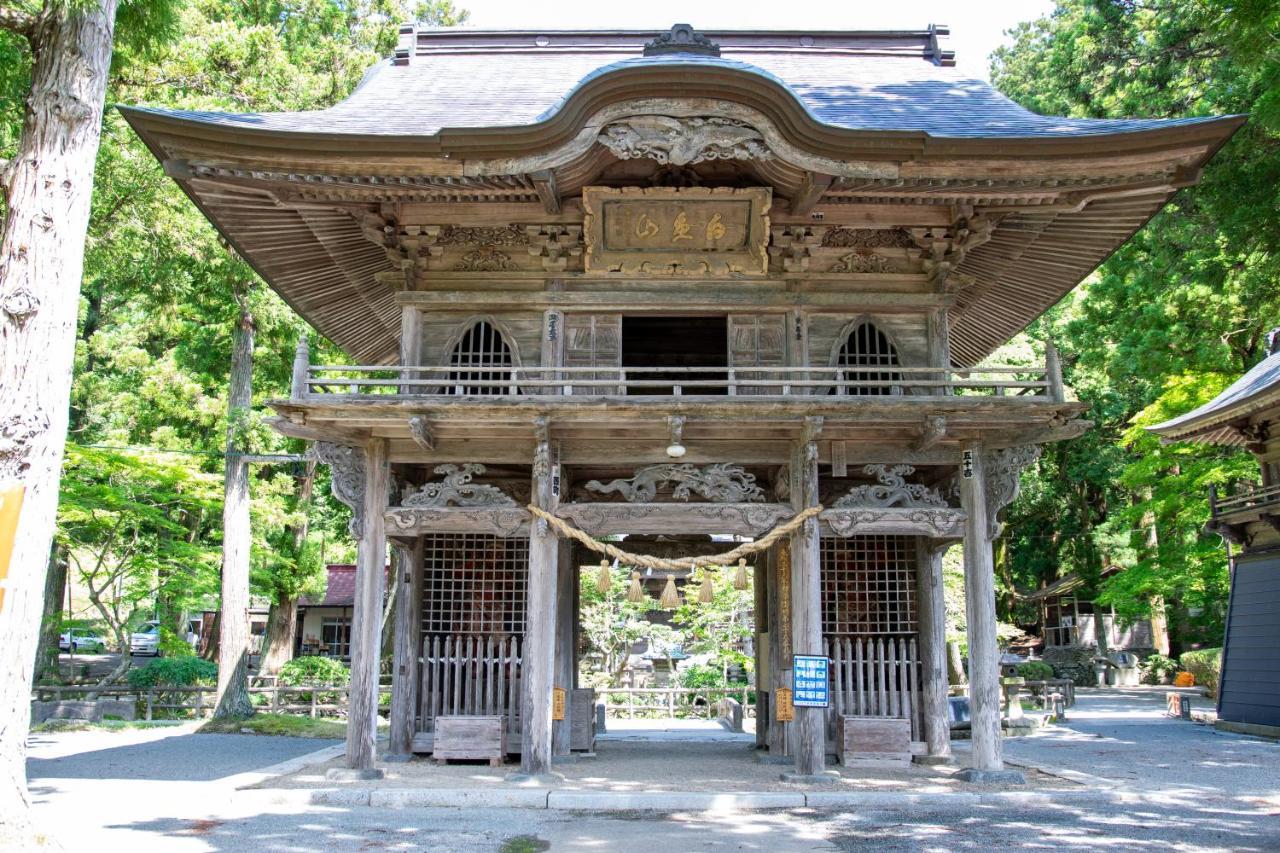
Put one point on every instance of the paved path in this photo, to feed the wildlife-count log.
(168, 791)
(1124, 736)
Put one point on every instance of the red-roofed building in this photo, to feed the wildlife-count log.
(324, 625)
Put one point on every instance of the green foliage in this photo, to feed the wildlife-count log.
(284, 725)
(1158, 669)
(1206, 666)
(610, 624)
(312, 669)
(720, 627)
(703, 675)
(1035, 670)
(187, 671)
(1166, 321)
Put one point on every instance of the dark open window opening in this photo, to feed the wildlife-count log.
(481, 346)
(867, 346)
(676, 343)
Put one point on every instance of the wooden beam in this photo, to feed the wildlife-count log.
(538, 664)
(544, 182)
(811, 192)
(420, 431)
(366, 617)
(404, 664)
(980, 613)
(331, 433)
(933, 648)
(810, 741)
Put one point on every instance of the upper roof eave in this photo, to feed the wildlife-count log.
(1255, 391)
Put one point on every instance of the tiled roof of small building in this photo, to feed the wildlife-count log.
(496, 84)
(1256, 390)
(340, 587)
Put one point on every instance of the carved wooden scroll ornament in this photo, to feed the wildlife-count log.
(892, 490)
(720, 482)
(456, 489)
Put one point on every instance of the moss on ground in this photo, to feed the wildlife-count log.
(278, 724)
(104, 726)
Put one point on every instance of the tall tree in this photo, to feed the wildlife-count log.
(237, 534)
(47, 187)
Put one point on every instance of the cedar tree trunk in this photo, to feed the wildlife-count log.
(233, 641)
(55, 590)
(48, 186)
(277, 645)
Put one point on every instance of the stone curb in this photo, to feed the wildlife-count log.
(241, 781)
(694, 801)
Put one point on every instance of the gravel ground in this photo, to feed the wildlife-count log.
(1123, 735)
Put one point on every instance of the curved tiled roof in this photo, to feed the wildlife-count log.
(1256, 390)
(849, 91)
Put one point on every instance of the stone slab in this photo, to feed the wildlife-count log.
(991, 777)
(499, 798)
(827, 777)
(351, 774)
(673, 800)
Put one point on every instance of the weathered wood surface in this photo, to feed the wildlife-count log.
(405, 660)
(469, 675)
(582, 714)
(876, 677)
(470, 737)
(540, 629)
(980, 615)
(366, 617)
(810, 741)
(931, 616)
(603, 519)
(873, 741)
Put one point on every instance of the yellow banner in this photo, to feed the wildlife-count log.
(10, 507)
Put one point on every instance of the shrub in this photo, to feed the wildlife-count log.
(1035, 670)
(1205, 665)
(174, 672)
(1158, 669)
(313, 669)
(701, 675)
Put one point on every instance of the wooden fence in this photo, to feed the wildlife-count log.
(672, 702)
(875, 677)
(314, 700)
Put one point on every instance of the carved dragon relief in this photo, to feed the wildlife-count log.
(685, 140)
(346, 478)
(485, 259)
(720, 482)
(457, 490)
(866, 238)
(892, 491)
(858, 262)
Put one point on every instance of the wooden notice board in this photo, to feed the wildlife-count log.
(557, 703)
(784, 711)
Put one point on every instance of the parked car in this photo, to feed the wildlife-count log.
(146, 641)
(79, 640)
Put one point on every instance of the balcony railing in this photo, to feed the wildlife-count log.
(347, 381)
(1244, 497)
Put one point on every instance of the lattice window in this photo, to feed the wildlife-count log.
(482, 345)
(868, 586)
(867, 346)
(474, 585)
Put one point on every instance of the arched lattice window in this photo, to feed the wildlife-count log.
(868, 347)
(482, 345)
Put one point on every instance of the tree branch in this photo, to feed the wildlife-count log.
(18, 21)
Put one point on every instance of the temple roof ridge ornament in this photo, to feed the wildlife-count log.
(682, 38)
(681, 140)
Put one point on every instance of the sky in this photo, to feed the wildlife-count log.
(977, 26)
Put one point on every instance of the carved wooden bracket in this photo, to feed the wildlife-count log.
(346, 478)
(1003, 471)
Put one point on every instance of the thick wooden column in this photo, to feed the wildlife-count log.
(566, 663)
(980, 613)
(932, 610)
(539, 653)
(809, 742)
(404, 664)
(366, 617)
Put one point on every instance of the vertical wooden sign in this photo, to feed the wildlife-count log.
(10, 507)
(784, 601)
(784, 711)
(557, 703)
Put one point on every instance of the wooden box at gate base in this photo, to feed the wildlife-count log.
(478, 736)
(582, 720)
(873, 741)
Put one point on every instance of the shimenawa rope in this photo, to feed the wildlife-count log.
(661, 564)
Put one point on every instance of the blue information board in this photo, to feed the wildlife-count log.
(809, 682)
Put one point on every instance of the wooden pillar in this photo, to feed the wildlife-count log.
(366, 619)
(566, 663)
(933, 648)
(980, 612)
(810, 737)
(404, 668)
(540, 631)
(760, 588)
(779, 597)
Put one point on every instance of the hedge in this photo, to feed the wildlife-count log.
(1206, 666)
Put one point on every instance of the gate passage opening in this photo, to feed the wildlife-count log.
(676, 343)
